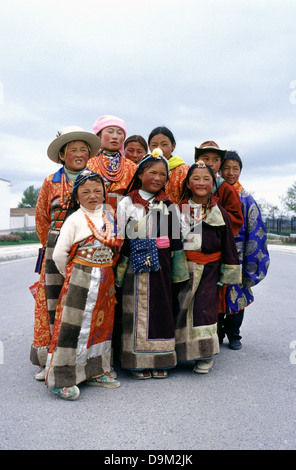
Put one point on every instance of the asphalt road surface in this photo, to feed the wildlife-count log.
(247, 401)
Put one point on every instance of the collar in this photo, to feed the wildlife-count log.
(57, 177)
(238, 187)
(175, 161)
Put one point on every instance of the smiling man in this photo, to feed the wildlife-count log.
(251, 243)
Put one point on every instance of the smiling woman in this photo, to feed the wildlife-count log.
(75, 155)
(151, 259)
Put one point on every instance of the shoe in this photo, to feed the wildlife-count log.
(235, 344)
(159, 374)
(203, 366)
(113, 374)
(67, 393)
(40, 374)
(104, 381)
(141, 374)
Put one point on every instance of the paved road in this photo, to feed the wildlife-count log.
(246, 402)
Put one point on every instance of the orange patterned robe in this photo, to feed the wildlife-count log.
(49, 217)
(115, 187)
(178, 172)
(82, 335)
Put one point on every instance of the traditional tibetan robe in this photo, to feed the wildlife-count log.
(229, 200)
(81, 343)
(212, 257)
(148, 336)
(175, 185)
(251, 243)
(49, 215)
(116, 171)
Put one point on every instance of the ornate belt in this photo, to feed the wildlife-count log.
(57, 219)
(94, 256)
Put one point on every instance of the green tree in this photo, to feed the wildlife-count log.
(30, 196)
(290, 199)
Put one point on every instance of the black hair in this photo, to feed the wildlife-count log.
(162, 130)
(146, 163)
(186, 191)
(136, 138)
(232, 155)
(63, 148)
(82, 177)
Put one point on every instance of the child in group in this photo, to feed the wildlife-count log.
(85, 253)
(251, 243)
(161, 137)
(116, 170)
(147, 217)
(210, 153)
(135, 148)
(71, 148)
(212, 260)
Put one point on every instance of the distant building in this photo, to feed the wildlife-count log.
(5, 204)
(22, 218)
(13, 220)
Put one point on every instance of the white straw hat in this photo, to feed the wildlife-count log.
(69, 134)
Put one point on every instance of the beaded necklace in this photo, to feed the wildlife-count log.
(205, 210)
(107, 173)
(65, 192)
(105, 236)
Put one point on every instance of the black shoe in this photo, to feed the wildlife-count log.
(235, 344)
(221, 337)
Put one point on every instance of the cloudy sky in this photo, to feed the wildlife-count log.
(221, 70)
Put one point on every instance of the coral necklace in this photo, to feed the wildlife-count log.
(111, 175)
(105, 236)
(65, 192)
(205, 211)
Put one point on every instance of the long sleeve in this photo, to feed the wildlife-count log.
(42, 216)
(252, 241)
(231, 270)
(64, 244)
(74, 230)
(230, 200)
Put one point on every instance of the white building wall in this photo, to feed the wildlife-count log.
(5, 204)
(26, 222)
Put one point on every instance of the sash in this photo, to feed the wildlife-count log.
(202, 258)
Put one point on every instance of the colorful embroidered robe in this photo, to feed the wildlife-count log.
(212, 258)
(148, 337)
(115, 189)
(81, 343)
(175, 185)
(251, 243)
(49, 216)
(229, 199)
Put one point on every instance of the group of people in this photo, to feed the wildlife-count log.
(145, 259)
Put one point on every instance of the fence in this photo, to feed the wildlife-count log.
(281, 226)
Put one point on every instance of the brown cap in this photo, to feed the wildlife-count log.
(209, 146)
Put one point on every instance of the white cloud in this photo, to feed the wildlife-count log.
(208, 69)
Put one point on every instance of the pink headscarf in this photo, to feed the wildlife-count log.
(109, 121)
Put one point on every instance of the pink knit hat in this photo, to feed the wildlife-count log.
(109, 121)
